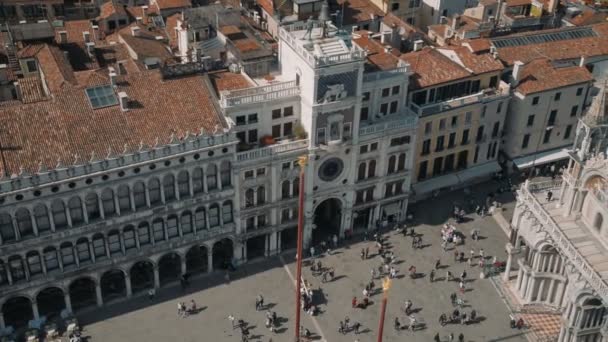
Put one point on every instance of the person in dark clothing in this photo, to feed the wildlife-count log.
(461, 337)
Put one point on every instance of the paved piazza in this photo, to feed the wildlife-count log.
(142, 320)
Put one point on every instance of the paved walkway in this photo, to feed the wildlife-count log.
(142, 320)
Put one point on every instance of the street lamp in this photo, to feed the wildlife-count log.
(302, 162)
(547, 129)
(386, 285)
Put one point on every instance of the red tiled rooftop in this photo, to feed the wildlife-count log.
(479, 63)
(169, 4)
(540, 75)
(512, 3)
(358, 11)
(430, 67)
(107, 9)
(226, 80)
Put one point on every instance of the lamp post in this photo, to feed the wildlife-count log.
(386, 285)
(302, 162)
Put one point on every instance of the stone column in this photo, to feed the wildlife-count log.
(209, 260)
(183, 265)
(35, 310)
(520, 278)
(550, 292)
(509, 261)
(156, 278)
(279, 247)
(99, 295)
(272, 243)
(530, 288)
(116, 203)
(2, 324)
(68, 302)
(128, 285)
(85, 213)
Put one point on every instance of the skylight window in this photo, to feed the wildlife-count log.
(102, 96)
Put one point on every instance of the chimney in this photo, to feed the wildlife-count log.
(583, 62)
(455, 22)
(123, 98)
(63, 37)
(112, 73)
(144, 10)
(354, 28)
(552, 7)
(90, 48)
(517, 66)
(418, 44)
(135, 31)
(95, 32)
(139, 20)
(87, 36)
(385, 37)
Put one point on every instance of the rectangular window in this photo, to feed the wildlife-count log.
(439, 146)
(384, 108)
(241, 136)
(33, 261)
(241, 120)
(252, 118)
(558, 96)
(114, 243)
(334, 131)
(51, 262)
(250, 223)
(214, 216)
(364, 113)
(568, 132)
(373, 146)
(394, 106)
(276, 113)
(129, 236)
(428, 127)
(346, 130)
(285, 215)
(199, 220)
(288, 129)
(574, 111)
(552, 117)
(287, 111)
(172, 227)
(422, 170)
(526, 141)
(144, 235)
(499, 109)
(158, 231)
(454, 121)
(493, 81)
(31, 66)
(495, 129)
(260, 172)
(366, 96)
(286, 166)
(261, 221)
(276, 131)
(579, 91)
(467, 117)
(465, 137)
(530, 120)
(547, 136)
(386, 92)
(321, 136)
(249, 174)
(441, 124)
(67, 256)
(452, 140)
(395, 90)
(363, 149)
(253, 136)
(535, 100)
(426, 147)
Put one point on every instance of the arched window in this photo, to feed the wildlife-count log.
(296, 186)
(6, 228)
(249, 195)
(172, 226)
(597, 223)
(139, 195)
(107, 202)
(41, 216)
(391, 164)
(114, 242)
(225, 174)
(197, 180)
(211, 177)
(371, 169)
(261, 195)
(34, 264)
(361, 171)
(158, 230)
(82, 251)
(285, 189)
(124, 198)
(186, 223)
(16, 268)
(50, 259)
(214, 215)
(143, 233)
(75, 207)
(99, 246)
(183, 184)
(128, 236)
(24, 222)
(401, 162)
(227, 212)
(92, 204)
(169, 187)
(199, 218)
(67, 255)
(59, 217)
(154, 191)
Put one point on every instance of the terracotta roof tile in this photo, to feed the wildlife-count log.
(171, 24)
(74, 30)
(377, 57)
(540, 75)
(66, 126)
(225, 80)
(168, 4)
(246, 45)
(588, 18)
(478, 45)
(358, 11)
(146, 44)
(478, 63)
(107, 9)
(430, 67)
(31, 89)
(267, 5)
(512, 3)
(55, 67)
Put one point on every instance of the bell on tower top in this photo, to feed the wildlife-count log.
(324, 15)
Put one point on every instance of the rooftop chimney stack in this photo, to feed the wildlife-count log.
(86, 36)
(418, 44)
(90, 49)
(455, 23)
(552, 7)
(95, 32)
(112, 73)
(135, 31)
(516, 75)
(123, 98)
(582, 62)
(144, 10)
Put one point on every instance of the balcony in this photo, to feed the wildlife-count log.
(485, 95)
(272, 151)
(259, 94)
(384, 127)
(382, 75)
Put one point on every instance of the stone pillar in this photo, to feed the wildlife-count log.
(68, 302)
(35, 310)
(550, 292)
(85, 213)
(183, 265)
(209, 260)
(128, 285)
(156, 278)
(520, 277)
(273, 243)
(530, 289)
(99, 295)
(509, 262)
(279, 247)
(266, 245)
(2, 324)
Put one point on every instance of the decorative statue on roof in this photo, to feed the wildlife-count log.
(310, 24)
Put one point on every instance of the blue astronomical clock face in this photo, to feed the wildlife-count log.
(331, 169)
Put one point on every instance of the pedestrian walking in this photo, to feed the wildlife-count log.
(397, 324)
(437, 264)
(472, 253)
(463, 275)
(432, 276)
(312, 252)
(451, 337)
(259, 303)
(151, 294)
(481, 253)
(549, 196)
(366, 252)
(354, 302)
(231, 319)
(456, 254)
(437, 338)
(444, 245)
(356, 327)
(362, 253)
(448, 276)
(335, 241)
(461, 337)
(461, 286)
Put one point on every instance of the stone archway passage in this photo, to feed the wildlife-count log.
(222, 254)
(82, 293)
(142, 276)
(51, 301)
(289, 238)
(113, 285)
(256, 247)
(196, 260)
(327, 220)
(17, 312)
(169, 268)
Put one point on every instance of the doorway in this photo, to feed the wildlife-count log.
(327, 220)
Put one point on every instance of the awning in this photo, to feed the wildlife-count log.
(478, 171)
(540, 158)
(435, 184)
(391, 209)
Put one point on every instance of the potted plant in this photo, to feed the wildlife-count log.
(267, 140)
(299, 131)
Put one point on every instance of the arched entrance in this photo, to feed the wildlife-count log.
(51, 302)
(17, 312)
(113, 285)
(142, 276)
(327, 220)
(82, 293)
(169, 268)
(222, 254)
(196, 260)
(256, 247)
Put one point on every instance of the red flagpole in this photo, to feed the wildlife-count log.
(386, 285)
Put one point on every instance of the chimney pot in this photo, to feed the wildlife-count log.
(418, 44)
(582, 62)
(124, 101)
(517, 66)
(135, 31)
(90, 48)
